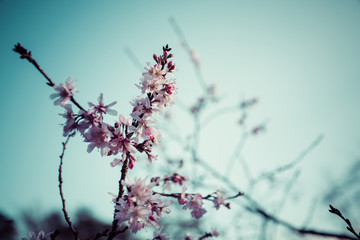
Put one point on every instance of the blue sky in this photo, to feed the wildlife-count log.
(300, 58)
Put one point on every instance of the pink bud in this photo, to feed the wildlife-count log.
(155, 57)
(152, 218)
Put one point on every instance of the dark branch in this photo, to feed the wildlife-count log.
(301, 231)
(25, 54)
(66, 215)
(349, 227)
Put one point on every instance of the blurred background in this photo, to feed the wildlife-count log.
(299, 60)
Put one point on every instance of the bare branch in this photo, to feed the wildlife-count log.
(25, 54)
(66, 215)
(349, 227)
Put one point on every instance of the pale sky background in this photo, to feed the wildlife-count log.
(299, 58)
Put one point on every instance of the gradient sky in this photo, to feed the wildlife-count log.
(300, 58)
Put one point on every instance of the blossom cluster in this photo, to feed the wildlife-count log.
(125, 137)
(140, 207)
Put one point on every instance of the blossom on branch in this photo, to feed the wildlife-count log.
(103, 109)
(140, 207)
(64, 92)
(220, 200)
(193, 202)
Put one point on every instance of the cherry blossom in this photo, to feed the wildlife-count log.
(64, 92)
(220, 200)
(140, 207)
(101, 108)
(194, 203)
(70, 124)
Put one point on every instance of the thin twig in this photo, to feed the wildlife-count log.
(66, 215)
(286, 193)
(25, 54)
(209, 197)
(186, 45)
(256, 209)
(300, 231)
(349, 227)
(291, 164)
(206, 235)
(236, 154)
(135, 61)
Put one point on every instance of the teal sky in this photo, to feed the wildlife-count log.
(299, 58)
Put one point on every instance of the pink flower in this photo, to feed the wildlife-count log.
(140, 205)
(123, 121)
(116, 161)
(183, 199)
(90, 118)
(195, 205)
(64, 92)
(142, 109)
(70, 124)
(214, 233)
(151, 157)
(121, 144)
(101, 108)
(219, 199)
(165, 97)
(158, 206)
(98, 137)
(138, 191)
(137, 216)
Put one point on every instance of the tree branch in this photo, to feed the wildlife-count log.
(66, 215)
(349, 227)
(25, 54)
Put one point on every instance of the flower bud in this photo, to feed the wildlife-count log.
(156, 58)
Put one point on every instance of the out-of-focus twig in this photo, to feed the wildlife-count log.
(255, 208)
(133, 59)
(291, 164)
(191, 53)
